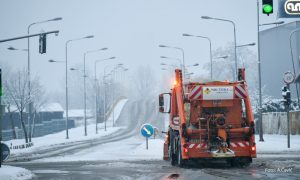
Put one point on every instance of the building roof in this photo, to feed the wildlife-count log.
(78, 113)
(52, 107)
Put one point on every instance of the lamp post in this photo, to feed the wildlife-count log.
(84, 85)
(210, 50)
(96, 89)
(67, 101)
(291, 48)
(245, 45)
(104, 99)
(182, 51)
(259, 71)
(113, 90)
(273, 23)
(172, 58)
(55, 61)
(234, 32)
(16, 49)
(28, 71)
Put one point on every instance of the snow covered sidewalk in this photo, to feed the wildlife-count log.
(14, 173)
(75, 134)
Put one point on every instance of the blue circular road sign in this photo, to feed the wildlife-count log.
(5, 152)
(147, 130)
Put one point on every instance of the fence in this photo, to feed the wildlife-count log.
(47, 127)
(276, 122)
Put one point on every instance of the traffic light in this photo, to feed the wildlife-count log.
(267, 6)
(43, 41)
(241, 74)
(286, 93)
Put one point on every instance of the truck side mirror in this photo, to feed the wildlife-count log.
(161, 100)
(164, 107)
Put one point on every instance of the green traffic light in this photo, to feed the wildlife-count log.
(268, 9)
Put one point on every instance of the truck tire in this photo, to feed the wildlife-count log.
(171, 148)
(180, 162)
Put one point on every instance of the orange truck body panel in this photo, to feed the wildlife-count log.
(211, 117)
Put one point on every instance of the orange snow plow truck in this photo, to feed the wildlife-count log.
(211, 120)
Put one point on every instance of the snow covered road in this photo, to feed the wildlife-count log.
(122, 155)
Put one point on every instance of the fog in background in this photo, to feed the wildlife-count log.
(131, 29)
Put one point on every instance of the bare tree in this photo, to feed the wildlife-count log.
(39, 99)
(17, 90)
(7, 100)
(225, 68)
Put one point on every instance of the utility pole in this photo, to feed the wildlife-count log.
(1, 115)
(288, 119)
(288, 78)
(261, 138)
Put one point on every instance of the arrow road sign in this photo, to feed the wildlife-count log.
(147, 130)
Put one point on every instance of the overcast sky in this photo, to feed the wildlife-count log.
(131, 29)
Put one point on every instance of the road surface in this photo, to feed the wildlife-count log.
(134, 114)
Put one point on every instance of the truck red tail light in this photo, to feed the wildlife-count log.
(185, 150)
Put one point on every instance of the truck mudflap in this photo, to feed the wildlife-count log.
(223, 154)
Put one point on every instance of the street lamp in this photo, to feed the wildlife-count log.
(273, 23)
(54, 61)
(113, 90)
(182, 51)
(234, 31)
(104, 99)
(16, 49)
(84, 85)
(221, 57)
(210, 50)
(28, 70)
(245, 45)
(250, 44)
(96, 89)
(172, 58)
(67, 101)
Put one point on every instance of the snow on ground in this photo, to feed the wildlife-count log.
(75, 134)
(129, 149)
(277, 144)
(135, 149)
(12, 173)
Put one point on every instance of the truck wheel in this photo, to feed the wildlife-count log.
(171, 150)
(180, 162)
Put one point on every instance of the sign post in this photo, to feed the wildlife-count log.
(288, 78)
(0, 117)
(147, 131)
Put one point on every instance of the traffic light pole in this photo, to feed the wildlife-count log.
(288, 118)
(1, 117)
(261, 138)
(28, 36)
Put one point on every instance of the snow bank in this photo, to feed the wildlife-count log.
(277, 144)
(14, 173)
(154, 151)
(128, 149)
(75, 134)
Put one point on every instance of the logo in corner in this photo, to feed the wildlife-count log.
(292, 7)
(207, 91)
